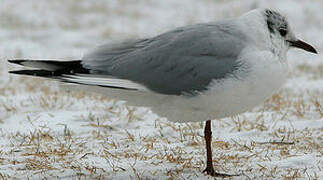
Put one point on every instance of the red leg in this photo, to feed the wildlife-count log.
(209, 164)
(208, 138)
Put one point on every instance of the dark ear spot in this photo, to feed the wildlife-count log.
(270, 26)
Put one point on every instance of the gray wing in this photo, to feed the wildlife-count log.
(181, 61)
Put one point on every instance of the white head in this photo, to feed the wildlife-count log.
(280, 32)
(276, 29)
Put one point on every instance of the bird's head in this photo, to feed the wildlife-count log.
(281, 34)
(269, 29)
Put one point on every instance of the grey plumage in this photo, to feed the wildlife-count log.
(182, 61)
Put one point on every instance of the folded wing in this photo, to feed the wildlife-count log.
(183, 61)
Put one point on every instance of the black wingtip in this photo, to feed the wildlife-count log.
(40, 73)
(25, 72)
(17, 72)
(16, 61)
(12, 72)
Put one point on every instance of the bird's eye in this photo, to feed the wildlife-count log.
(283, 32)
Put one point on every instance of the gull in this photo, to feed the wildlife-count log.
(193, 73)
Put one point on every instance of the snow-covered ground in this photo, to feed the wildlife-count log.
(46, 132)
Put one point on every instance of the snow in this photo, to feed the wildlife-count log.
(46, 132)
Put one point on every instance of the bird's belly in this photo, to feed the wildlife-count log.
(238, 96)
(227, 97)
